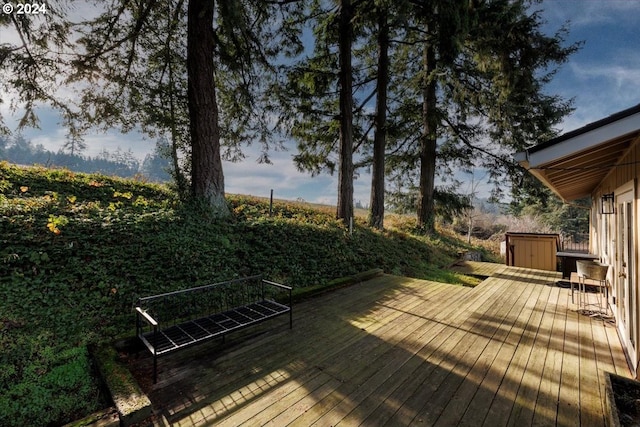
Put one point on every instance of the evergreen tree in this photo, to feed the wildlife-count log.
(202, 64)
(376, 214)
(320, 110)
(74, 144)
(156, 166)
(484, 66)
(345, 171)
(31, 69)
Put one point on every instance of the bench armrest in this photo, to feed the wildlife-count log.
(269, 282)
(150, 320)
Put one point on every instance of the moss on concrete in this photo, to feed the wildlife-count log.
(130, 401)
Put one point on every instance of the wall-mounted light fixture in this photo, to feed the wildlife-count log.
(607, 204)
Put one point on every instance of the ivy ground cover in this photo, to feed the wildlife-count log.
(77, 250)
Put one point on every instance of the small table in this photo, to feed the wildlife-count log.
(582, 282)
(568, 261)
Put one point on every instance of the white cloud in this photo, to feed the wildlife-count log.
(600, 89)
(587, 13)
(52, 141)
(618, 76)
(604, 76)
(249, 177)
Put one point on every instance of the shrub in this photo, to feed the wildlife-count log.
(46, 385)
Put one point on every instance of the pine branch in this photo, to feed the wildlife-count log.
(465, 140)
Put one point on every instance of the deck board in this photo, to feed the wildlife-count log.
(547, 398)
(569, 398)
(503, 402)
(469, 394)
(461, 373)
(442, 362)
(477, 408)
(589, 389)
(528, 391)
(394, 351)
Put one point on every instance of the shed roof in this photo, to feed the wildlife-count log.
(573, 164)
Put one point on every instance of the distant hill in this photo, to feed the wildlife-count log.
(120, 163)
(485, 205)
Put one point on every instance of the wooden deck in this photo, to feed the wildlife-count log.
(479, 269)
(396, 351)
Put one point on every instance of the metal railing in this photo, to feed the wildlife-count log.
(575, 242)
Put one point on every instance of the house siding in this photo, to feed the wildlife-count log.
(604, 231)
(627, 170)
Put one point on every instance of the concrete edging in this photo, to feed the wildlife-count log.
(132, 405)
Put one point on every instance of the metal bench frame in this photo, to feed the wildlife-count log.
(174, 320)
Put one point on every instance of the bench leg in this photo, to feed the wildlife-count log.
(155, 369)
(572, 301)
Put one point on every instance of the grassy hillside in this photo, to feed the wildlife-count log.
(77, 250)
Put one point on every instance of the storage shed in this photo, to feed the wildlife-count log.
(532, 250)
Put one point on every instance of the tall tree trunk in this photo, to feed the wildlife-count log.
(426, 214)
(181, 181)
(376, 218)
(177, 172)
(345, 173)
(207, 179)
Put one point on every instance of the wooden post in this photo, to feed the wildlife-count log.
(271, 204)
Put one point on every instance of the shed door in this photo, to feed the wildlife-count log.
(535, 252)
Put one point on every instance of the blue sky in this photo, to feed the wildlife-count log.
(602, 78)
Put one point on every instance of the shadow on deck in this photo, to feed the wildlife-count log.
(401, 351)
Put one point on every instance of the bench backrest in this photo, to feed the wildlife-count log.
(193, 303)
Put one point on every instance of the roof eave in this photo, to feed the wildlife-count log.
(546, 161)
